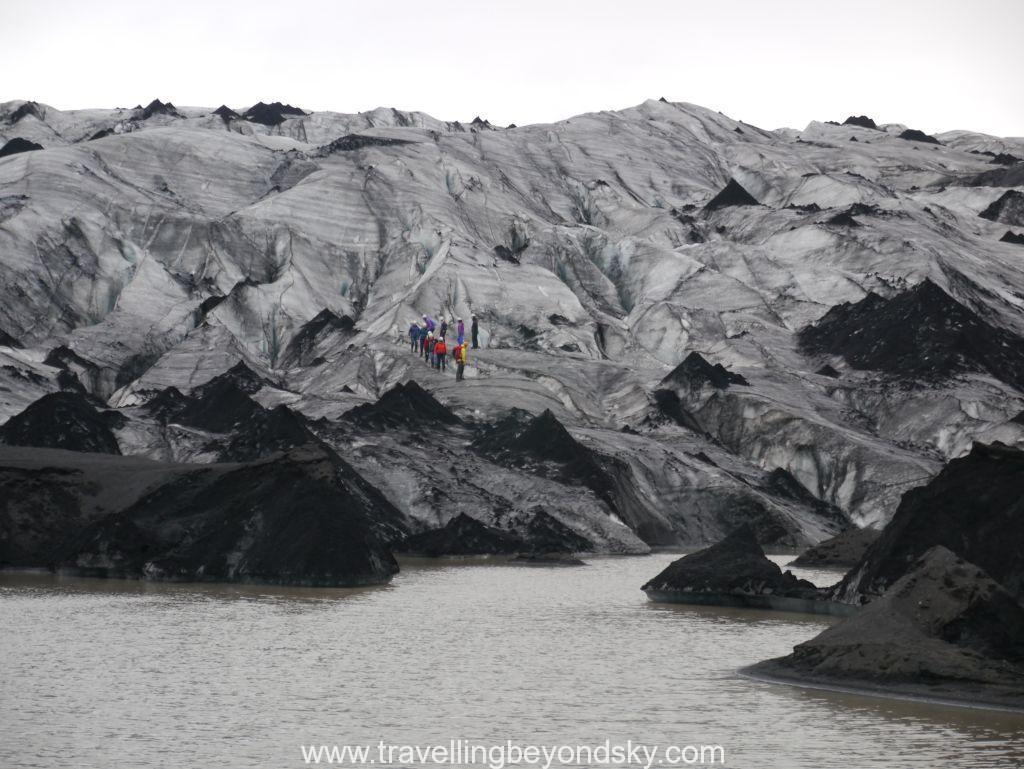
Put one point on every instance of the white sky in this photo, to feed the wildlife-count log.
(931, 64)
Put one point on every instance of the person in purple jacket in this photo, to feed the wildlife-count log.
(461, 331)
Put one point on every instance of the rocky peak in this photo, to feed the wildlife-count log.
(861, 120)
(225, 113)
(913, 135)
(271, 114)
(157, 107)
(64, 420)
(404, 405)
(733, 194)
(695, 372)
(17, 145)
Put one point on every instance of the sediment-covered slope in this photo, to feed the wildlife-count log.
(974, 507)
(156, 247)
(841, 551)
(921, 334)
(945, 629)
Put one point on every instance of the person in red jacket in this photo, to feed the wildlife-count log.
(440, 354)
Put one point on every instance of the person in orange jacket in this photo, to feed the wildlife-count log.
(460, 361)
(440, 354)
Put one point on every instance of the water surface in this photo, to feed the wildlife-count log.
(104, 674)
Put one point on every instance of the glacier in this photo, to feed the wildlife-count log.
(158, 247)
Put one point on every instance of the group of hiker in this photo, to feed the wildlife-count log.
(427, 338)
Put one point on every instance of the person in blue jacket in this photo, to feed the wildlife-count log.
(414, 336)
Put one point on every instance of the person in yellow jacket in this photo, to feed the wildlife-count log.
(460, 361)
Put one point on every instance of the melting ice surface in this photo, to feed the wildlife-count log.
(122, 674)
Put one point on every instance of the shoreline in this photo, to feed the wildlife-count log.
(970, 697)
(763, 602)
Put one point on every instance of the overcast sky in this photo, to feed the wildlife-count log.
(931, 64)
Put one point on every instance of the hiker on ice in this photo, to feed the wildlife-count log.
(414, 336)
(429, 323)
(440, 354)
(473, 331)
(443, 330)
(460, 360)
(428, 349)
(461, 332)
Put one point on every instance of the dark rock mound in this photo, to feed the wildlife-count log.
(68, 380)
(520, 439)
(782, 483)
(546, 534)
(945, 629)
(671, 405)
(353, 142)
(300, 349)
(157, 107)
(732, 572)
(243, 377)
(220, 405)
(224, 405)
(1008, 209)
(974, 507)
(404, 405)
(1012, 237)
(166, 404)
(101, 134)
(860, 120)
(271, 114)
(7, 340)
(26, 109)
(463, 535)
(732, 194)
(841, 551)
(268, 431)
(16, 145)
(302, 518)
(828, 371)
(1005, 159)
(695, 372)
(913, 135)
(922, 333)
(225, 113)
(63, 420)
(542, 446)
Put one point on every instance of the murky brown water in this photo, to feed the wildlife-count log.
(111, 674)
